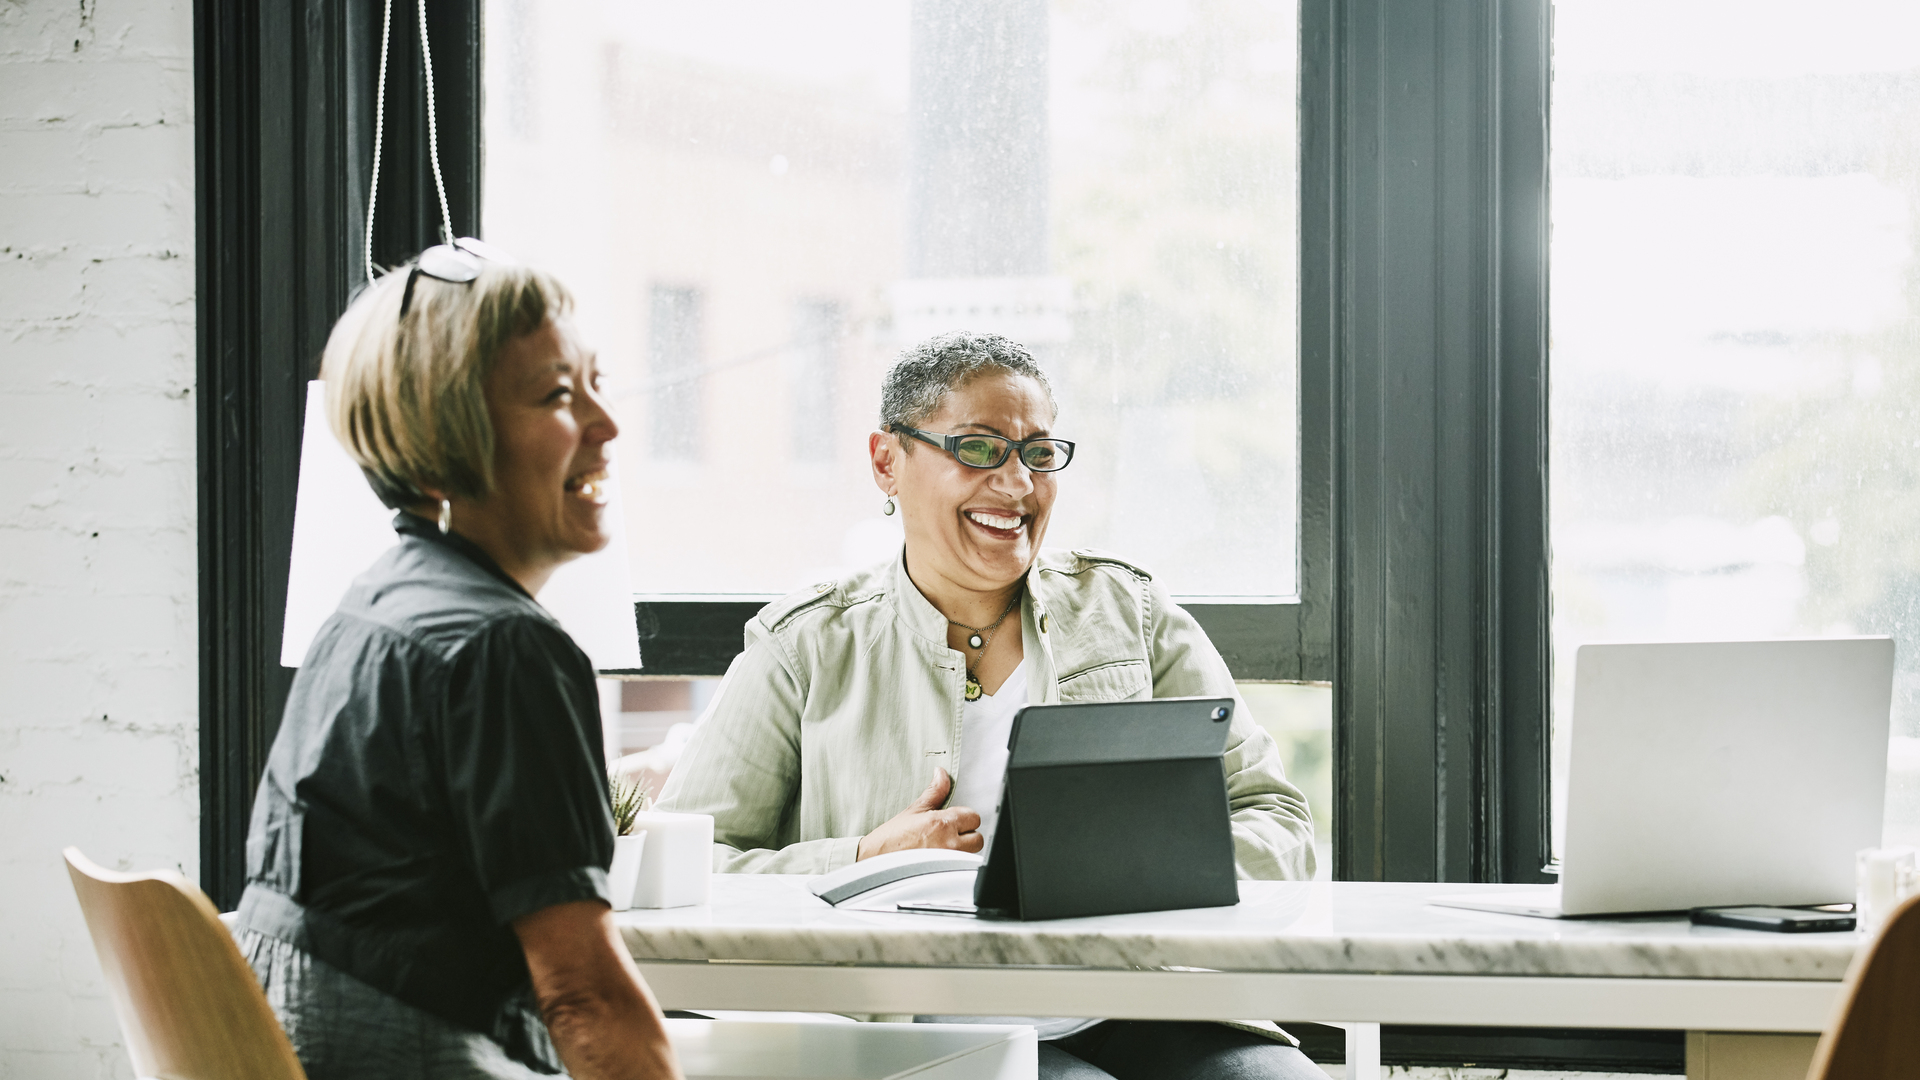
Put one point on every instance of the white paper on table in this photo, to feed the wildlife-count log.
(340, 528)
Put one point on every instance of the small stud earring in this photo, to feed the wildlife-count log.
(889, 506)
(446, 516)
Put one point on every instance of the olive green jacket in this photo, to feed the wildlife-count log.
(847, 696)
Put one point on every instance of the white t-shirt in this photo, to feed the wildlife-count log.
(985, 726)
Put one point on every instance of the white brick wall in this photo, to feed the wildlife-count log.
(98, 712)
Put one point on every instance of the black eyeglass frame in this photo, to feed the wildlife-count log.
(1008, 447)
(457, 263)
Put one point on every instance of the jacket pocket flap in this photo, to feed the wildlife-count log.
(1119, 681)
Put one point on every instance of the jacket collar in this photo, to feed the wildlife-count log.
(914, 610)
(920, 617)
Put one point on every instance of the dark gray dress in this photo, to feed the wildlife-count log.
(437, 775)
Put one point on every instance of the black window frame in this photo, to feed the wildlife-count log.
(1422, 390)
(283, 137)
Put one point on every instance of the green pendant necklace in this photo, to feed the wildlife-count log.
(979, 639)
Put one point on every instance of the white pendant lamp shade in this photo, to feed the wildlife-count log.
(340, 528)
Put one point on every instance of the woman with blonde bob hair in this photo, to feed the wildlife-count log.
(426, 866)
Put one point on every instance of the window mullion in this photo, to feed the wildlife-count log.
(1424, 206)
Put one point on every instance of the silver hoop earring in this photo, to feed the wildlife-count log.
(446, 516)
(889, 506)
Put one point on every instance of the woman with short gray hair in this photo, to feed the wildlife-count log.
(817, 748)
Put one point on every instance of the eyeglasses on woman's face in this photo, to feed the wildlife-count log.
(991, 451)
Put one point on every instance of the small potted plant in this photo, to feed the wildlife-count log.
(629, 799)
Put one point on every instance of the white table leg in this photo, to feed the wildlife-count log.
(1363, 1050)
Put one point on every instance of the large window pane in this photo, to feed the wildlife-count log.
(759, 203)
(1736, 359)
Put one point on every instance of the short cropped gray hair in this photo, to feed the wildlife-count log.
(923, 376)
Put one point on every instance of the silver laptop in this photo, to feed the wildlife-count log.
(1705, 774)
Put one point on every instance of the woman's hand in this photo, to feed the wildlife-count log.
(925, 825)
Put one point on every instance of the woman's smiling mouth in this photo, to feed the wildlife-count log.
(590, 485)
(998, 524)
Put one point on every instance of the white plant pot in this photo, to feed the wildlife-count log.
(624, 875)
(678, 866)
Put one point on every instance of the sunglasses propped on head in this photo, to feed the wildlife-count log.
(459, 262)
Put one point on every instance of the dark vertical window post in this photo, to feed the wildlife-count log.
(1423, 342)
(283, 96)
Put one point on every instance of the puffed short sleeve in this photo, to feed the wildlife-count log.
(526, 790)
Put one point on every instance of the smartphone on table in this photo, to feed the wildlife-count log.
(1780, 920)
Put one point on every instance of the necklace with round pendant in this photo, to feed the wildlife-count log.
(978, 639)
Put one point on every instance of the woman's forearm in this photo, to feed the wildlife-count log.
(601, 1016)
(610, 1036)
(810, 857)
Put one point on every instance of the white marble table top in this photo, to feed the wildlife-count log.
(1355, 927)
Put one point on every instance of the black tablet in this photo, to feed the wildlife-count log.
(1110, 808)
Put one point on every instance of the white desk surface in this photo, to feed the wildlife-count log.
(1278, 927)
(1354, 952)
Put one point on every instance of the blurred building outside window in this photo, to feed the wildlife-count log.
(758, 204)
(674, 375)
(1735, 414)
(812, 369)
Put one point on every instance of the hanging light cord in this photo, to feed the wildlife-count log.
(433, 131)
(379, 129)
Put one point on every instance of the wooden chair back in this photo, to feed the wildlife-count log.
(188, 1003)
(1877, 1030)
